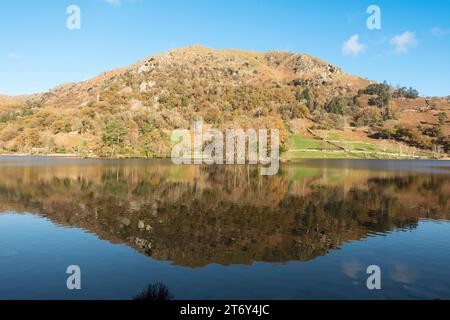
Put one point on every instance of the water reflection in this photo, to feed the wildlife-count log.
(196, 216)
(155, 292)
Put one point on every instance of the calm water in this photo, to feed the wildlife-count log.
(224, 232)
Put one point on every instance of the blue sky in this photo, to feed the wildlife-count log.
(38, 52)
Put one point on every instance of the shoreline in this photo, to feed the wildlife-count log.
(282, 160)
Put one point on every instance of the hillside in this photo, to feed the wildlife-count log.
(131, 111)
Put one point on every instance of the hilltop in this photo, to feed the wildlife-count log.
(131, 111)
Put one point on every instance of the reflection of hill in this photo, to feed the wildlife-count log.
(228, 215)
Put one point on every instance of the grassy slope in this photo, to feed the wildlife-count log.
(304, 146)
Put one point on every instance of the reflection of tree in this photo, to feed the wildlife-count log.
(196, 216)
(155, 292)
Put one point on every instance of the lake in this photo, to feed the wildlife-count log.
(224, 232)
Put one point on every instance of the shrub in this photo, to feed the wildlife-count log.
(391, 111)
(442, 116)
(376, 89)
(382, 91)
(337, 121)
(6, 117)
(408, 93)
(337, 105)
(431, 131)
(409, 135)
(61, 126)
(369, 116)
(9, 133)
(309, 99)
(33, 138)
(115, 132)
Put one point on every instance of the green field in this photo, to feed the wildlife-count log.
(298, 142)
(322, 155)
(309, 148)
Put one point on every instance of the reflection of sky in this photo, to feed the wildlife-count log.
(352, 269)
(34, 255)
(403, 274)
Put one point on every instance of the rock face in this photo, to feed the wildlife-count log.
(240, 67)
(146, 85)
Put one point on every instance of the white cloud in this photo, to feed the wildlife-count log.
(13, 55)
(118, 3)
(113, 2)
(439, 32)
(352, 47)
(403, 42)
